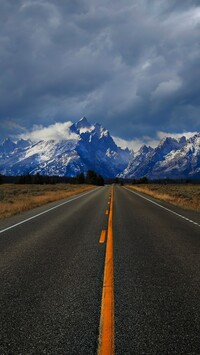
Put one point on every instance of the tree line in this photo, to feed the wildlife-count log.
(91, 177)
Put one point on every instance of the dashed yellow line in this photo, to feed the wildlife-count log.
(102, 236)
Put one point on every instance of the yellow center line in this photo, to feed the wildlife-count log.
(106, 332)
(102, 236)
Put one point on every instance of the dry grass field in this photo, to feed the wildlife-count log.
(183, 195)
(18, 198)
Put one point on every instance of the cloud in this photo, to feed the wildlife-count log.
(166, 88)
(132, 66)
(135, 144)
(188, 135)
(57, 132)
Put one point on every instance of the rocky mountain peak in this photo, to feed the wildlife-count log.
(144, 149)
(83, 123)
(81, 126)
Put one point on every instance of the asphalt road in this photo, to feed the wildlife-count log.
(52, 269)
(157, 278)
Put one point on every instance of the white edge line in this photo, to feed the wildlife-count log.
(165, 208)
(50, 209)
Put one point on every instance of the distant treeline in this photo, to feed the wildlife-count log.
(145, 180)
(90, 178)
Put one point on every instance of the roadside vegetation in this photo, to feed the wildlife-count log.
(16, 198)
(29, 191)
(183, 195)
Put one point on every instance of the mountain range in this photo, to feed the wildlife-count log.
(92, 147)
(171, 159)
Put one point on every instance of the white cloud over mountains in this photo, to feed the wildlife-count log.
(187, 135)
(135, 144)
(57, 132)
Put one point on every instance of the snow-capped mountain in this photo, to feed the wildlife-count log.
(91, 147)
(170, 159)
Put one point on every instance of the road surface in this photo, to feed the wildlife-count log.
(52, 276)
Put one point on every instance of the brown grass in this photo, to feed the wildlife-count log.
(15, 199)
(183, 195)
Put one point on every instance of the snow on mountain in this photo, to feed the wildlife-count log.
(83, 146)
(170, 159)
(97, 149)
(183, 162)
(137, 160)
(92, 148)
(7, 146)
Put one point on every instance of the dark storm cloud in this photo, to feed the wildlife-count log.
(131, 65)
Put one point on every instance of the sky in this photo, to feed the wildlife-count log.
(131, 65)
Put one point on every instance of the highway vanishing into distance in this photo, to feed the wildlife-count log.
(108, 271)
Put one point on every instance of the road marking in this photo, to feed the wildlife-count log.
(106, 331)
(50, 209)
(165, 208)
(103, 236)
